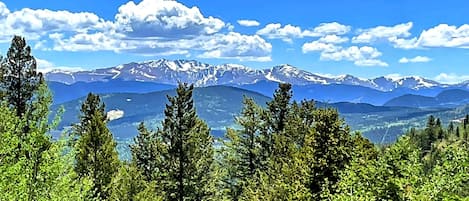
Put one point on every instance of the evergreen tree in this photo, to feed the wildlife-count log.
(331, 147)
(451, 128)
(129, 184)
(96, 156)
(274, 120)
(42, 169)
(20, 78)
(187, 159)
(278, 108)
(300, 121)
(431, 134)
(146, 153)
(242, 148)
(465, 121)
(249, 142)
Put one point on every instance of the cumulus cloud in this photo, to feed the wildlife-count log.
(334, 28)
(248, 23)
(235, 45)
(164, 19)
(442, 35)
(333, 39)
(417, 59)
(451, 78)
(151, 27)
(319, 46)
(4, 11)
(445, 35)
(45, 66)
(383, 32)
(398, 35)
(36, 23)
(289, 32)
(360, 56)
(275, 31)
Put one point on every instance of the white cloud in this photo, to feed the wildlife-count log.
(360, 56)
(333, 28)
(164, 19)
(4, 11)
(370, 62)
(248, 23)
(333, 39)
(289, 32)
(451, 78)
(398, 35)
(235, 45)
(275, 31)
(444, 35)
(417, 59)
(151, 27)
(87, 42)
(403, 43)
(36, 23)
(45, 66)
(319, 46)
(387, 33)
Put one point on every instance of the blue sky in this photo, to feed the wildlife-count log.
(365, 38)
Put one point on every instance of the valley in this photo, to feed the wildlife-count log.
(381, 109)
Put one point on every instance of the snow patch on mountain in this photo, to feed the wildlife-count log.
(115, 114)
(202, 74)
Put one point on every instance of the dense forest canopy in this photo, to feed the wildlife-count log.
(287, 150)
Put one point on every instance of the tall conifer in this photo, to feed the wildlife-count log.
(96, 155)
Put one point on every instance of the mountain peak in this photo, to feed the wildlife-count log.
(167, 71)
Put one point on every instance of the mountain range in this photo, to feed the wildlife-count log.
(381, 108)
(201, 74)
(448, 98)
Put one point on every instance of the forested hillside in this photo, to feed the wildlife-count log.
(285, 150)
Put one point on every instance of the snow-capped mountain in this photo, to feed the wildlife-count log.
(291, 74)
(202, 74)
(412, 82)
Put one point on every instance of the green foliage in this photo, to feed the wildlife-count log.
(146, 153)
(96, 156)
(20, 79)
(41, 169)
(185, 150)
(286, 151)
(241, 150)
(188, 158)
(403, 172)
(331, 149)
(129, 184)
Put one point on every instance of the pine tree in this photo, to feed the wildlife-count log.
(146, 153)
(42, 169)
(299, 122)
(274, 120)
(431, 133)
(127, 183)
(278, 108)
(451, 128)
(332, 149)
(242, 148)
(96, 149)
(187, 161)
(20, 78)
